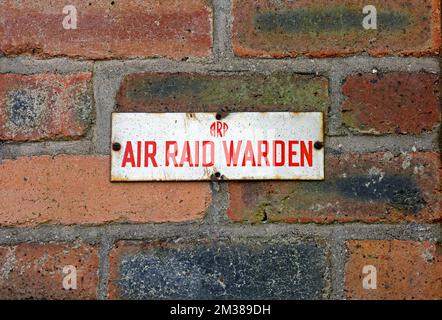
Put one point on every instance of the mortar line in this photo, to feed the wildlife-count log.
(106, 245)
(348, 65)
(338, 258)
(217, 212)
(336, 99)
(233, 231)
(230, 63)
(222, 49)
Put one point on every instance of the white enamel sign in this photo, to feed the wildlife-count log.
(205, 146)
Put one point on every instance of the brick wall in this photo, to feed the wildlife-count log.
(379, 206)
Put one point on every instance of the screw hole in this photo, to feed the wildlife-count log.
(116, 146)
(217, 174)
(318, 145)
(218, 116)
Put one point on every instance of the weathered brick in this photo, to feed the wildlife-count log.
(45, 106)
(371, 188)
(107, 29)
(266, 28)
(35, 271)
(391, 103)
(184, 92)
(404, 269)
(77, 190)
(440, 92)
(218, 270)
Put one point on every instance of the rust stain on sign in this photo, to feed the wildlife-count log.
(208, 146)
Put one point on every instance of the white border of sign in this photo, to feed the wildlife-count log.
(304, 131)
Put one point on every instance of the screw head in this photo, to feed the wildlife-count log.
(116, 146)
(318, 145)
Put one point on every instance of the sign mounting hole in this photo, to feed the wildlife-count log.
(318, 145)
(116, 146)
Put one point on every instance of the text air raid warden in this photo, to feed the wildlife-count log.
(203, 146)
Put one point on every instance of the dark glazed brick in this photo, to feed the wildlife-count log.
(258, 270)
(398, 191)
(279, 29)
(378, 187)
(325, 20)
(186, 92)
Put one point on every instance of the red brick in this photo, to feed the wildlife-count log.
(45, 106)
(35, 271)
(391, 103)
(405, 270)
(77, 190)
(107, 29)
(265, 28)
(371, 188)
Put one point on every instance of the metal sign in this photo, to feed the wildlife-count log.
(205, 146)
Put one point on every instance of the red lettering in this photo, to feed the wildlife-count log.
(138, 154)
(292, 153)
(232, 154)
(171, 154)
(219, 127)
(128, 155)
(248, 155)
(213, 129)
(307, 154)
(225, 128)
(277, 143)
(262, 154)
(150, 154)
(185, 156)
(206, 163)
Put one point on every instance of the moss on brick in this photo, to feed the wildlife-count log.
(281, 29)
(336, 20)
(195, 92)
